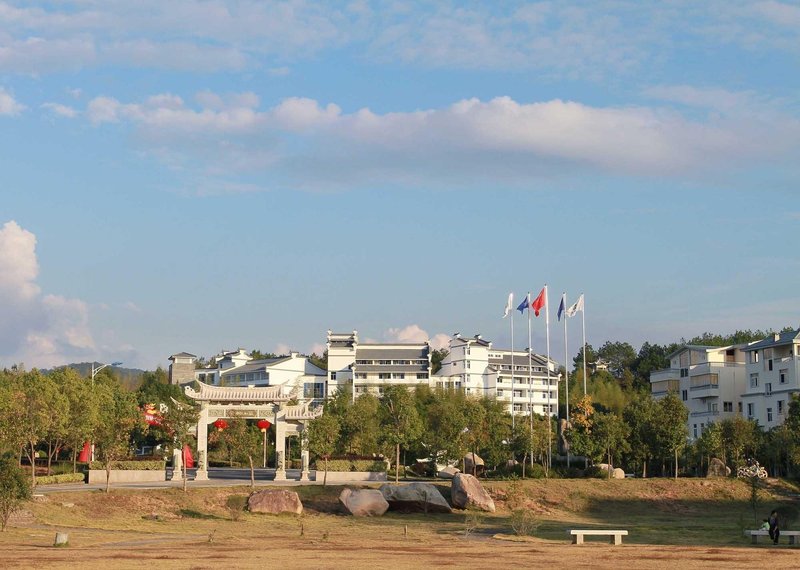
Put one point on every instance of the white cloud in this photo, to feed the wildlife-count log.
(132, 307)
(40, 330)
(282, 348)
(468, 141)
(414, 333)
(9, 105)
(60, 110)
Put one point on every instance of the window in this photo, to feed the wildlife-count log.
(684, 395)
(727, 406)
(422, 375)
(780, 407)
(782, 375)
(740, 407)
(499, 393)
(769, 364)
(754, 356)
(768, 388)
(333, 375)
(769, 414)
(695, 431)
(684, 372)
(360, 375)
(754, 380)
(399, 376)
(750, 410)
(384, 376)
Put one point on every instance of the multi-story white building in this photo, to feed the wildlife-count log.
(368, 367)
(709, 380)
(480, 370)
(237, 368)
(773, 373)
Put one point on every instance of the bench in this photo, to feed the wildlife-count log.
(754, 534)
(616, 535)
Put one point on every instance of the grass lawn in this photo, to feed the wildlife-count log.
(690, 521)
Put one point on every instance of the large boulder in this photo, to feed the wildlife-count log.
(716, 468)
(448, 472)
(363, 502)
(467, 492)
(274, 502)
(415, 498)
(618, 473)
(473, 464)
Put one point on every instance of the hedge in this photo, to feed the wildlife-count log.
(351, 465)
(63, 478)
(131, 465)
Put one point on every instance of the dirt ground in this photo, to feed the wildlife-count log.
(692, 524)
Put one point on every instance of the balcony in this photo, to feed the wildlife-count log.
(704, 414)
(664, 387)
(665, 374)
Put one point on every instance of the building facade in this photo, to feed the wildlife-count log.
(293, 373)
(772, 375)
(369, 367)
(518, 379)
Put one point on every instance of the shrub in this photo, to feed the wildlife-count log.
(236, 505)
(523, 522)
(132, 465)
(14, 489)
(63, 478)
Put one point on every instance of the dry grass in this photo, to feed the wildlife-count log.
(692, 522)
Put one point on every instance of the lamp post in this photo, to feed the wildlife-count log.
(263, 425)
(94, 373)
(99, 368)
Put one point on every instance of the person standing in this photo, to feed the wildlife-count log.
(774, 530)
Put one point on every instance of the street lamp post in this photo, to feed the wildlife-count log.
(94, 373)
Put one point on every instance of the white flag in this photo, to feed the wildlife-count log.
(575, 307)
(509, 305)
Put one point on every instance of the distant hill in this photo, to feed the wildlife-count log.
(130, 378)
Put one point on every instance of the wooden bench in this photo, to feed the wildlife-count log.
(754, 534)
(616, 535)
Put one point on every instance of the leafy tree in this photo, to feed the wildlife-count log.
(740, 438)
(319, 361)
(80, 414)
(792, 424)
(360, 425)
(710, 443)
(245, 443)
(611, 436)
(522, 442)
(579, 432)
(399, 420)
(497, 423)
(475, 434)
(541, 429)
(38, 409)
(671, 432)
(651, 357)
(258, 355)
(591, 356)
(118, 417)
(640, 417)
(323, 434)
(444, 423)
(437, 356)
(620, 356)
(179, 422)
(14, 488)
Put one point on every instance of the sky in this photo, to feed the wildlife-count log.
(206, 175)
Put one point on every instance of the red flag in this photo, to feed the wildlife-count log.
(539, 302)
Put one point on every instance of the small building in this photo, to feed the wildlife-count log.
(181, 368)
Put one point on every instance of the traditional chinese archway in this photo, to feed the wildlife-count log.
(262, 403)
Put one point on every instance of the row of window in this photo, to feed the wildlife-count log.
(390, 376)
(246, 378)
(519, 393)
(392, 362)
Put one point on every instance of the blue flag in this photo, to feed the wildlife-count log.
(524, 304)
(561, 308)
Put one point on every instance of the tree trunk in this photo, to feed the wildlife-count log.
(252, 473)
(608, 455)
(644, 468)
(397, 463)
(325, 477)
(676, 462)
(32, 457)
(108, 475)
(74, 460)
(524, 460)
(183, 467)
(49, 457)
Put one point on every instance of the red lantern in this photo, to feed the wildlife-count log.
(220, 424)
(263, 425)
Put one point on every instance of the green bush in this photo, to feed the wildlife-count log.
(62, 478)
(351, 465)
(14, 488)
(132, 465)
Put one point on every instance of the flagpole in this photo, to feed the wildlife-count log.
(583, 322)
(530, 350)
(549, 406)
(566, 369)
(513, 421)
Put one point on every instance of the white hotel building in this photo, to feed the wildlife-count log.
(481, 370)
(773, 373)
(755, 380)
(709, 380)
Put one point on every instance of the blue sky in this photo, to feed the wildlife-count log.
(201, 176)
